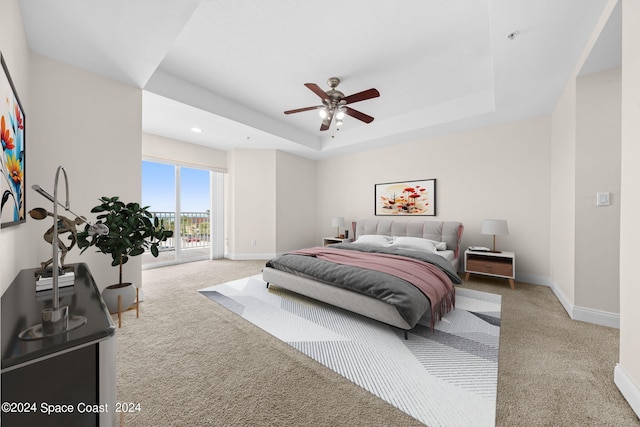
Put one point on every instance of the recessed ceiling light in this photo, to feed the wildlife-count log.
(196, 130)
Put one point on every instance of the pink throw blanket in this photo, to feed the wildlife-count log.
(428, 278)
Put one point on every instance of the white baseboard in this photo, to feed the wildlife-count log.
(533, 279)
(249, 257)
(568, 307)
(596, 317)
(589, 315)
(628, 388)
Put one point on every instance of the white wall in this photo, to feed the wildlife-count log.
(251, 201)
(562, 189)
(585, 132)
(15, 254)
(92, 126)
(271, 203)
(627, 373)
(162, 149)
(295, 202)
(496, 172)
(597, 228)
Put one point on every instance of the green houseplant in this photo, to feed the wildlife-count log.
(132, 230)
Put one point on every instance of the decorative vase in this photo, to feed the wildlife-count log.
(110, 296)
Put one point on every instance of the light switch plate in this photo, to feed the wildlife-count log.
(602, 199)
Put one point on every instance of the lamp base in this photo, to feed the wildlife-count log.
(55, 321)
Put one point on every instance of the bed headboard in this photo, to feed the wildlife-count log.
(441, 231)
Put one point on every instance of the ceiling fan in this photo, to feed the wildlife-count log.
(334, 103)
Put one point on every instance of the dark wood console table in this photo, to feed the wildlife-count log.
(70, 375)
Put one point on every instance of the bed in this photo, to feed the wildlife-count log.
(428, 252)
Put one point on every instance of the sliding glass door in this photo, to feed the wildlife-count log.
(183, 199)
(194, 213)
(159, 193)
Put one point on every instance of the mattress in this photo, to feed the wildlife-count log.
(448, 255)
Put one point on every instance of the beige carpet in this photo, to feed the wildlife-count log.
(189, 362)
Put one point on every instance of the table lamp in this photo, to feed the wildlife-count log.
(337, 221)
(495, 227)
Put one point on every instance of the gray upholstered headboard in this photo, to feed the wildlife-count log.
(442, 231)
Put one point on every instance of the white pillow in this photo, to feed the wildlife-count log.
(441, 246)
(373, 239)
(413, 243)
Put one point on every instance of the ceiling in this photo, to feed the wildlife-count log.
(232, 68)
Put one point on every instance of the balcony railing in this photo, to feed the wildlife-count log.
(194, 230)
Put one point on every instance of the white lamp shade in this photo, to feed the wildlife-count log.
(337, 221)
(497, 227)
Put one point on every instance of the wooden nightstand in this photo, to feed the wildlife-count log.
(497, 264)
(331, 240)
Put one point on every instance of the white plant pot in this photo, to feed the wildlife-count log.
(110, 296)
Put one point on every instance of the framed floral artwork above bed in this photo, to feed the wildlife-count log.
(406, 198)
(12, 182)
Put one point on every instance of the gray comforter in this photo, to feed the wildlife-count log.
(410, 302)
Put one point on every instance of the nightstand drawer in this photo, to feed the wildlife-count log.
(489, 265)
(496, 264)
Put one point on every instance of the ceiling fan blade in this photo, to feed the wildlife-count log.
(326, 123)
(299, 110)
(358, 115)
(316, 89)
(361, 96)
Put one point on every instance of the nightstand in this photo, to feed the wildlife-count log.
(331, 240)
(496, 264)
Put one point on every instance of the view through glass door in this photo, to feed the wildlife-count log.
(195, 214)
(180, 197)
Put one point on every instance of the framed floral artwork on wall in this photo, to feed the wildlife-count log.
(12, 162)
(413, 198)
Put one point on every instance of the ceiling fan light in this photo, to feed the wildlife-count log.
(339, 122)
(323, 112)
(340, 114)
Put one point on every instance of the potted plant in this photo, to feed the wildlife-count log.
(132, 230)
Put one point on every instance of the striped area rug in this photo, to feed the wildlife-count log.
(443, 378)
